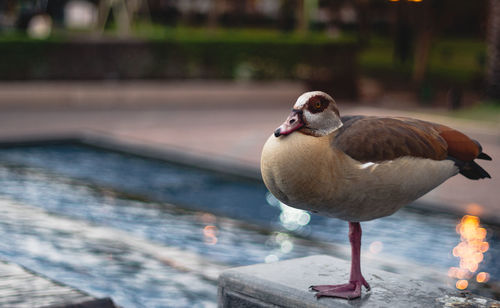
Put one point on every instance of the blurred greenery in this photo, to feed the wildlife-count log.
(180, 33)
(451, 60)
(21, 36)
(458, 59)
(249, 53)
(485, 111)
(182, 52)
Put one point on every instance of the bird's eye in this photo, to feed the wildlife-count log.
(317, 105)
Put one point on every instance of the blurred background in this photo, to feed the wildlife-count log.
(131, 131)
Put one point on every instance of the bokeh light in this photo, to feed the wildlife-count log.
(210, 235)
(462, 284)
(482, 277)
(290, 218)
(40, 26)
(470, 250)
(271, 258)
(376, 247)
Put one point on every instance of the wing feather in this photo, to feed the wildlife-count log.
(376, 139)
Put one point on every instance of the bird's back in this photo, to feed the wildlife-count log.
(378, 139)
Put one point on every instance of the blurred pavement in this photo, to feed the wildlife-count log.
(220, 120)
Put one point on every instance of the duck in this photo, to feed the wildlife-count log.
(359, 168)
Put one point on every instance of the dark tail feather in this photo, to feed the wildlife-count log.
(470, 169)
(481, 154)
(484, 156)
(473, 171)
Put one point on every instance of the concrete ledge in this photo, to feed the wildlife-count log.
(170, 154)
(286, 284)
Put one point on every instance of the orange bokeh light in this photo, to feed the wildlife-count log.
(482, 277)
(210, 235)
(470, 250)
(485, 246)
(462, 284)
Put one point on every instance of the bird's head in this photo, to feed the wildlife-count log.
(314, 113)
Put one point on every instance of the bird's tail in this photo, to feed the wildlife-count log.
(470, 169)
(473, 171)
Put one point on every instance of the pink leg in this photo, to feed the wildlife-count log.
(352, 289)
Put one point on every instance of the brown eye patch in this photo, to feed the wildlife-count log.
(317, 104)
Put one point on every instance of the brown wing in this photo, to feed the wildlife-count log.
(375, 139)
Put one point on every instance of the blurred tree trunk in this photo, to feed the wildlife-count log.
(423, 42)
(404, 33)
(302, 18)
(288, 13)
(214, 12)
(120, 14)
(363, 11)
(493, 68)
(123, 20)
(422, 51)
(304, 9)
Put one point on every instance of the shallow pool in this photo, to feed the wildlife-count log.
(83, 215)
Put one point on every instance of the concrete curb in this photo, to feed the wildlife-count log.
(286, 284)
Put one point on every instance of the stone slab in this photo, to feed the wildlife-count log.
(286, 284)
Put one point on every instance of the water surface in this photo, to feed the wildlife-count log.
(78, 214)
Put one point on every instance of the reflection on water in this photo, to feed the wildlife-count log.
(482, 277)
(210, 235)
(283, 243)
(290, 218)
(470, 251)
(97, 259)
(78, 184)
(108, 245)
(376, 247)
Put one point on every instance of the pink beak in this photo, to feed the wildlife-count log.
(292, 123)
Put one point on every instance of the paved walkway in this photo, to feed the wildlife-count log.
(212, 119)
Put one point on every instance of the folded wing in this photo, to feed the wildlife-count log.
(378, 139)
